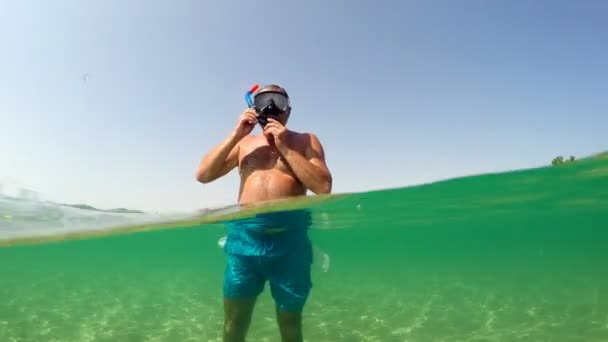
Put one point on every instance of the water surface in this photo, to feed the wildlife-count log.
(518, 256)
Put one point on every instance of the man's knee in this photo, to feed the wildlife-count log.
(235, 328)
(290, 325)
(237, 316)
(237, 320)
(289, 319)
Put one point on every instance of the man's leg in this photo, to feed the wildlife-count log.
(242, 284)
(237, 316)
(290, 325)
(290, 285)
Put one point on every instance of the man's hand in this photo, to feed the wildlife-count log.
(309, 165)
(245, 124)
(278, 132)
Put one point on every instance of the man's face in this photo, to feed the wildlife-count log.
(272, 102)
(281, 117)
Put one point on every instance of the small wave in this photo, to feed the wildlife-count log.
(24, 217)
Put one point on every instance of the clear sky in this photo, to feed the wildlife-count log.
(398, 92)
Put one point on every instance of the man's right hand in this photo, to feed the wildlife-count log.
(246, 123)
(224, 157)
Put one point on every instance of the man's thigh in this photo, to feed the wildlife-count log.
(242, 278)
(290, 280)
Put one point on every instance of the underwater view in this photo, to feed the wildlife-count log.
(513, 256)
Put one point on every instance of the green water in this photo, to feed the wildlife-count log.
(519, 256)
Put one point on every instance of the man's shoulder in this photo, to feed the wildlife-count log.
(304, 136)
(304, 141)
(250, 139)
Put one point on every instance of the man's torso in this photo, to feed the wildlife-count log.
(265, 175)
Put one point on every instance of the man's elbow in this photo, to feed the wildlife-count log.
(325, 187)
(202, 176)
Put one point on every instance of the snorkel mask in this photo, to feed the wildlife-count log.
(270, 103)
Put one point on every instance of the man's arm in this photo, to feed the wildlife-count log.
(310, 168)
(219, 161)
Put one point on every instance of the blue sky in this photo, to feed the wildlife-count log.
(399, 92)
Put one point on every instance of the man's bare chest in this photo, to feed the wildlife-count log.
(263, 157)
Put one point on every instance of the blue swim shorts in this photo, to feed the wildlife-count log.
(283, 259)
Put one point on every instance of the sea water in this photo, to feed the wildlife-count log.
(516, 256)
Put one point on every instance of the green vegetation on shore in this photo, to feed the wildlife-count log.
(559, 160)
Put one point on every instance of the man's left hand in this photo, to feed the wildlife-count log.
(277, 131)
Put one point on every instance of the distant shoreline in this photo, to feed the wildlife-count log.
(114, 210)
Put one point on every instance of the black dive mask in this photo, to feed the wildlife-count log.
(270, 104)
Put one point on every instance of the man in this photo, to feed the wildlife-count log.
(278, 163)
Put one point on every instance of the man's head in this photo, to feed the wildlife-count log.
(272, 101)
